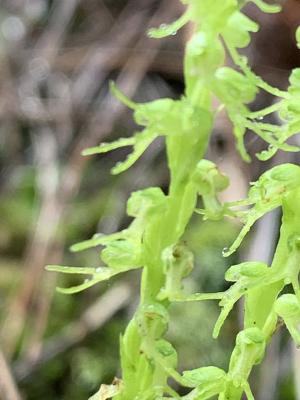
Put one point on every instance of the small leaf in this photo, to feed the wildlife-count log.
(252, 269)
(121, 254)
(79, 288)
(252, 217)
(121, 96)
(236, 33)
(71, 270)
(203, 376)
(267, 8)
(287, 306)
(99, 239)
(167, 351)
(142, 200)
(105, 147)
(141, 145)
(171, 29)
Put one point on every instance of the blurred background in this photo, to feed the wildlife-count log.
(56, 59)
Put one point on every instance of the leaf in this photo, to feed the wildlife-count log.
(152, 319)
(250, 269)
(236, 32)
(267, 8)
(209, 178)
(121, 96)
(105, 147)
(122, 254)
(142, 200)
(233, 87)
(167, 351)
(170, 29)
(203, 376)
(266, 195)
(71, 270)
(99, 274)
(99, 239)
(252, 217)
(287, 307)
(79, 288)
(142, 142)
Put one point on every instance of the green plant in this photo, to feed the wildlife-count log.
(153, 240)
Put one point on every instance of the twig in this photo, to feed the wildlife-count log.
(92, 319)
(8, 388)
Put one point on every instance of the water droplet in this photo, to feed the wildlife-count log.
(174, 33)
(98, 270)
(86, 280)
(224, 251)
(260, 118)
(163, 26)
(13, 28)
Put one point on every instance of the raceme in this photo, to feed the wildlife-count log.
(153, 240)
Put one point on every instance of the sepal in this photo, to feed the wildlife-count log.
(287, 307)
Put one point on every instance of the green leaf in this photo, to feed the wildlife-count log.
(171, 29)
(233, 87)
(71, 270)
(105, 147)
(236, 32)
(79, 288)
(288, 307)
(122, 254)
(99, 274)
(99, 239)
(152, 320)
(267, 194)
(204, 376)
(167, 351)
(121, 96)
(142, 142)
(141, 201)
(251, 269)
(267, 8)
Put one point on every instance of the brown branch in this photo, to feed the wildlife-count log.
(92, 319)
(8, 388)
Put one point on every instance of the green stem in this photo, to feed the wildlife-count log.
(259, 303)
(165, 230)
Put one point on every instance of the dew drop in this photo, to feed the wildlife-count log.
(163, 26)
(98, 270)
(174, 33)
(86, 280)
(224, 251)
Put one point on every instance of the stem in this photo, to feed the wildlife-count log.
(260, 302)
(266, 111)
(164, 230)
